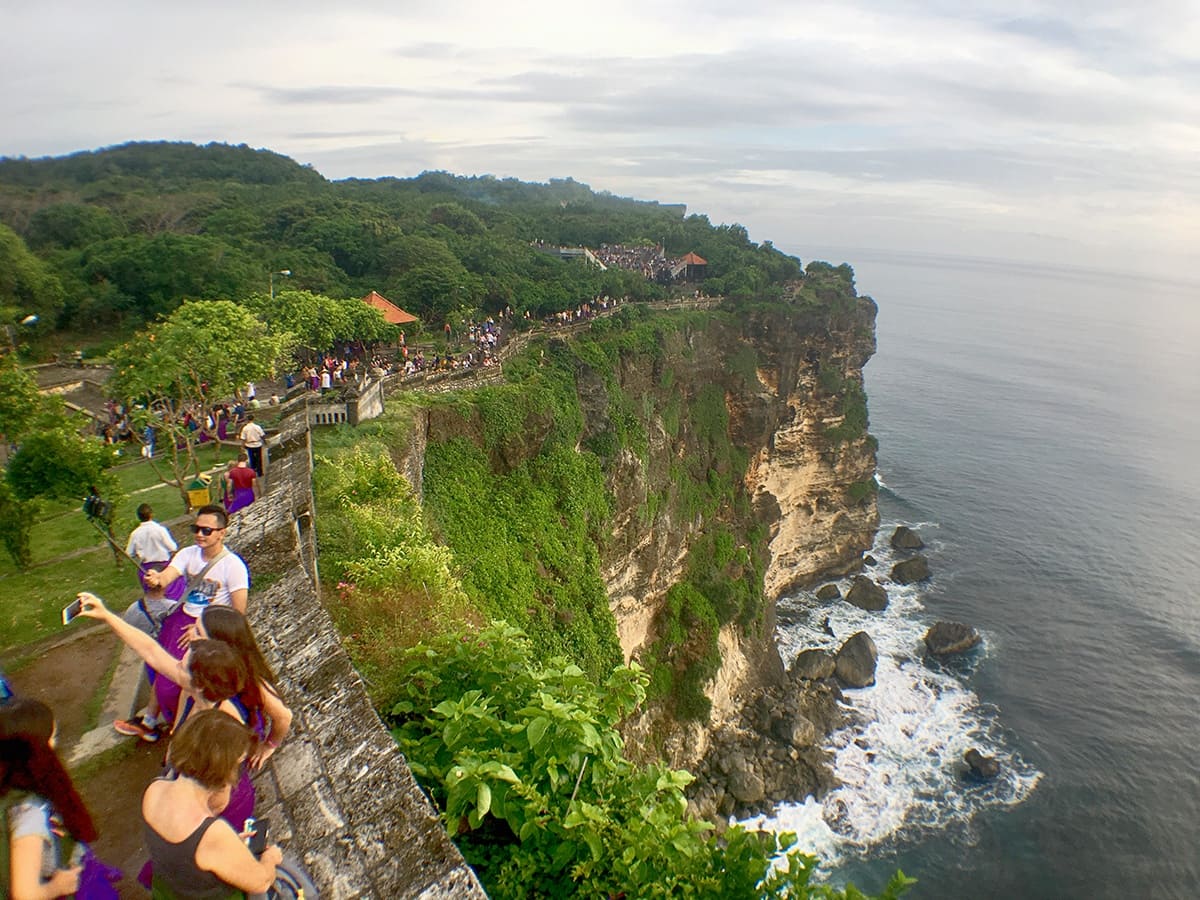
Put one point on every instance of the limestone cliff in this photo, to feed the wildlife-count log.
(731, 443)
(787, 378)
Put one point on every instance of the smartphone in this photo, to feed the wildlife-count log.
(72, 611)
(258, 837)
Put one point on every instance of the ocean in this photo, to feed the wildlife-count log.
(1039, 427)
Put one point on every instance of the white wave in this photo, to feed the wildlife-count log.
(899, 760)
(879, 480)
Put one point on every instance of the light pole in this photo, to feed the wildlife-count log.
(285, 272)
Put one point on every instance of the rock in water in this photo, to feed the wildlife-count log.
(829, 592)
(866, 594)
(948, 638)
(855, 664)
(911, 571)
(813, 665)
(904, 538)
(980, 767)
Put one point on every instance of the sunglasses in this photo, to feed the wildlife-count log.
(204, 530)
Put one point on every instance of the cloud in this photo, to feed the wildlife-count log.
(904, 120)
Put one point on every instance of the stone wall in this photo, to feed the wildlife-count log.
(339, 793)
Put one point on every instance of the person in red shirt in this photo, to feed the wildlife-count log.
(241, 484)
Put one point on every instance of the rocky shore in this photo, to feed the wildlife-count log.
(772, 751)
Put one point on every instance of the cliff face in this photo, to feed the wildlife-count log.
(727, 461)
(787, 381)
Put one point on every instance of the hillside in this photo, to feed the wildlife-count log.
(111, 238)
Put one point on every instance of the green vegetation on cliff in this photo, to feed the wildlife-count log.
(523, 756)
(514, 731)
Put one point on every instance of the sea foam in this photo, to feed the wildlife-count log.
(898, 761)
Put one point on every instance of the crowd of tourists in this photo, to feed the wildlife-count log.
(213, 696)
(210, 695)
(584, 312)
(218, 422)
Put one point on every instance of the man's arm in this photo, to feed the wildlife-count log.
(238, 599)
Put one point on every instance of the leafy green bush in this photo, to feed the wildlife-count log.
(854, 415)
(16, 523)
(394, 583)
(525, 761)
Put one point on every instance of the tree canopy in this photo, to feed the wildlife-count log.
(317, 323)
(172, 372)
(126, 234)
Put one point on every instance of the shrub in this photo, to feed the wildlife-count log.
(525, 761)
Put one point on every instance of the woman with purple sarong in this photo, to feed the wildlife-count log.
(212, 674)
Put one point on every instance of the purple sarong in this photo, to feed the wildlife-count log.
(241, 497)
(174, 591)
(174, 627)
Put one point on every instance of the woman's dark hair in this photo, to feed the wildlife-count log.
(28, 763)
(209, 747)
(224, 623)
(217, 669)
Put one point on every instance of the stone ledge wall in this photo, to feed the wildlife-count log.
(339, 793)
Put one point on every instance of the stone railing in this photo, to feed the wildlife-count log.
(364, 403)
(339, 793)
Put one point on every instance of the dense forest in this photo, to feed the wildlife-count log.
(100, 242)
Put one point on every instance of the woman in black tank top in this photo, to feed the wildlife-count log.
(195, 855)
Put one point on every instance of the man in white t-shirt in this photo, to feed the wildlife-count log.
(227, 581)
(252, 436)
(213, 576)
(150, 542)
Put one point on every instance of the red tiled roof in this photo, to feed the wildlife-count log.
(693, 259)
(391, 312)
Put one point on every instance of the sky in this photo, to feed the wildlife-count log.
(1064, 132)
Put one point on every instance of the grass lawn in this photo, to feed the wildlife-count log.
(33, 600)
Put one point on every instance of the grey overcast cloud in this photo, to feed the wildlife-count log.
(1065, 132)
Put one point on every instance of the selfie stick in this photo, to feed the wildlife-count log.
(117, 547)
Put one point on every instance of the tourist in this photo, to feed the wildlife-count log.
(241, 484)
(262, 694)
(193, 854)
(150, 545)
(252, 436)
(42, 811)
(211, 675)
(213, 575)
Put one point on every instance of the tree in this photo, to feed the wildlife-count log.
(318, 322)
(59, 464)
(20, 402)
(170, 374)
(56, 462)
(26, 284)
(156, 273)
